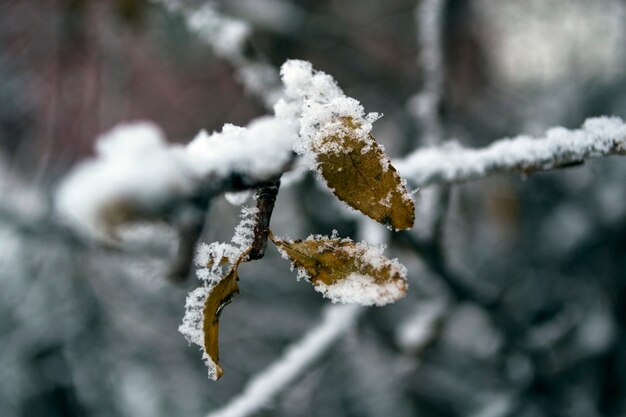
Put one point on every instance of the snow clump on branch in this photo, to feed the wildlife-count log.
(136, 173)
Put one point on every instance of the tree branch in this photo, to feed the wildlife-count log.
(425, 106)
(190, 222)
(558, 148)
(262, 388)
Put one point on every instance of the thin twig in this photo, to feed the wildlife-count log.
(263, 388)
(442, 206)
(265, 199)
(425, 106)
(190, 221)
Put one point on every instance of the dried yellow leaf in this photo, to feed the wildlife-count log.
(345, 271)
(360, 174)
(219, 296)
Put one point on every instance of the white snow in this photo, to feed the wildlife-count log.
(316, 101)
(192, 326)
(599, 136)
(209, 260)
(135, 169)
(362, 289)
(244, 231)
(260, 151)
(359, 287)
(133, 166)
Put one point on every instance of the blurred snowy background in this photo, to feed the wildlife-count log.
(516, 307)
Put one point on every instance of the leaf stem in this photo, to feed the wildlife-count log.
(265, 199)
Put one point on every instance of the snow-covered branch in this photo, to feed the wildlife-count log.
(559, 147)
(136, 173)
(264, 387)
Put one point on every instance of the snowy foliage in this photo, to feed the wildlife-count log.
(318, 103)
(191, 327)
(345, 271)
(214, 262)
(513, 288)
(135, 171)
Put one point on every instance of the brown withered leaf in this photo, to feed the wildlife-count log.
(345, 271)
(362, 176)
(218, 297)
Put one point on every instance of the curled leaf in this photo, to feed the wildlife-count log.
(345, 271)
(359, 173)
(202, 311)
(220, 296)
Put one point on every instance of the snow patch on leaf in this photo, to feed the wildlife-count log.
(345, 271)
(192, 327)
(201, 321)
(335, 136)
(212, 258)
(362, 289)
(318, 103)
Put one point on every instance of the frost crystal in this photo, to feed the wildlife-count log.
(212, 258)
(192, 326)
(244, 231)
